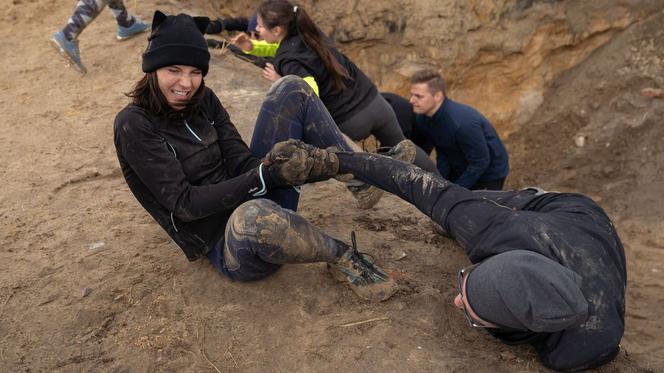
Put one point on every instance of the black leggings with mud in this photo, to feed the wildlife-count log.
(261, 236)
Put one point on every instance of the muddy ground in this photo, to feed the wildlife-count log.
(88, 282)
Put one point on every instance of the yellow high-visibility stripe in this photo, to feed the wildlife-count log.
(312, 82)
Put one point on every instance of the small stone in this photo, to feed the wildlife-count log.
(607, 170)
(580, 141)
(507, 355)
(96, 245)
(86, 292)
(652, 92)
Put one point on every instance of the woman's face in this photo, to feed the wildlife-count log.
(179, 83)
(272, 35)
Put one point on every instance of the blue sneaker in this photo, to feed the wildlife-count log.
(138, 27)
(69, 50)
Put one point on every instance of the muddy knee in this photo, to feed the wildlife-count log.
(259, 220)
(277, 235)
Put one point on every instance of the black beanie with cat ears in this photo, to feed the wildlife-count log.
(177, 40)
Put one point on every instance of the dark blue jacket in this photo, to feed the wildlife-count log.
(468, 149)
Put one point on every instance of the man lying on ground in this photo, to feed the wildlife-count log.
(548, 268)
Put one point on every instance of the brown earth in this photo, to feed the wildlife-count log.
(88, 282)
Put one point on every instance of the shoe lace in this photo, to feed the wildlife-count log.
(384, 150)
(364, 263)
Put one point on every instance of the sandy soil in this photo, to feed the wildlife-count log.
(88, 282)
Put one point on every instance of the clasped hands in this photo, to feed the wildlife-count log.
(293, 162)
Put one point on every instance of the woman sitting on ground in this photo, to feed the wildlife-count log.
(186, 164)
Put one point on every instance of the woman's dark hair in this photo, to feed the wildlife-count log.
(147, 95)
(296, 21)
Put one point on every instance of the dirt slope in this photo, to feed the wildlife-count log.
(88, 282)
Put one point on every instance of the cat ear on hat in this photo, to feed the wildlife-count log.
(201, 23)
(157, 19)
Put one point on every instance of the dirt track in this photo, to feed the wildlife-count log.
(88, 282)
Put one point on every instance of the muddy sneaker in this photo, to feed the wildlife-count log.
(403, 151)
(367, 196)
(364, 277)
(535, 190)
(69, 50)
(138, 27)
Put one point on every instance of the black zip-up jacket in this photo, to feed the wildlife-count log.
(295, 58)
(188, 172)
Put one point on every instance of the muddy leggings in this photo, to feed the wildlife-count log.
(263, 234)
(379, 119)
(87, 10)
(260, 236)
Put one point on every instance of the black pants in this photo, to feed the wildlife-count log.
(378, 119)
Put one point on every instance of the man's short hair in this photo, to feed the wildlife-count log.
(433, 80)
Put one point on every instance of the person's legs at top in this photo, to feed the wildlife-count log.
(65, 41)
(128, 25)
(260, 236)
(378, 119)
(85, 12)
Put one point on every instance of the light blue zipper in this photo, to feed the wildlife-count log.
(192, 131)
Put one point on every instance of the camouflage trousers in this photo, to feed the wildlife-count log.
(87, 10)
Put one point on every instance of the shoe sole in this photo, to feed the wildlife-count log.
(368, 198)
(123, 38)
(80, 68)
(405, 151)
(377, 293)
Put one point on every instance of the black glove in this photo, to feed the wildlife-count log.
(215, 27)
